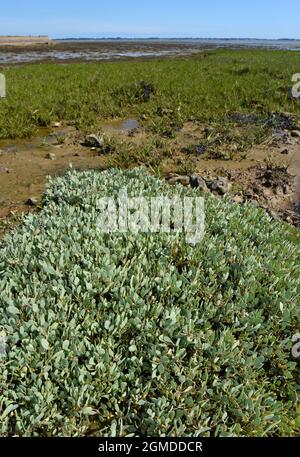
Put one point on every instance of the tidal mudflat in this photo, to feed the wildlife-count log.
(103, 50)
(89, 50)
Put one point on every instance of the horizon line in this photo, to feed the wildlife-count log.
(171, 38)
(117, 37)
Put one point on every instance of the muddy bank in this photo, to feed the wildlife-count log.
(25, 166)
(269, 175)
(77, 51)
(103, 50)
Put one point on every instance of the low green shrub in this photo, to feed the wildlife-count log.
(142, 334)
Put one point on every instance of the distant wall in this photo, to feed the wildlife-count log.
(24, 40)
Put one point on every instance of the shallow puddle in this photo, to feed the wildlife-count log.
(120, 126)
(26, 164)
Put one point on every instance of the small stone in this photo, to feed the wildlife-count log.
(284, 151)
(295, 133)
(254, 203)
(273, 214)
(146, 89)
(94, 141)
(221, 185)
(50, 156)
(57, 124)
(197, 182)
(32, 201)
(5, 170)
(279, 135)
(238, 199)
(184, 180)
(285, 188)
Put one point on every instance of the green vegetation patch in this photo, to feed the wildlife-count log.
(207, 87)
(139, 334)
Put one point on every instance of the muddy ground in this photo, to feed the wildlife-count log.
(64, 51)
(268, 175)
(78, 51)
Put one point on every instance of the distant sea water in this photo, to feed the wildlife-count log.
(283, 43)
(116, 49)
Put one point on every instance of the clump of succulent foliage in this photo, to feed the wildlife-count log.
(139, 334)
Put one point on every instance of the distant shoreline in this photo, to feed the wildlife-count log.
(15, 40)
(173, 39)
(78, 50)
(283, 44)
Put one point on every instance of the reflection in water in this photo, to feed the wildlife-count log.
(118, 125)
(130, 124)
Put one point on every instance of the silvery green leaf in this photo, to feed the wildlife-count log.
(44, 344)
(89, 411)
(8, 410)
(13, 310)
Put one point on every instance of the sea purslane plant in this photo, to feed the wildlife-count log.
(143, 334)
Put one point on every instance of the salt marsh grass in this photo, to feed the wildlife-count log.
(207, 86)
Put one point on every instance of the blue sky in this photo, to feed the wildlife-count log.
(164, 18)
